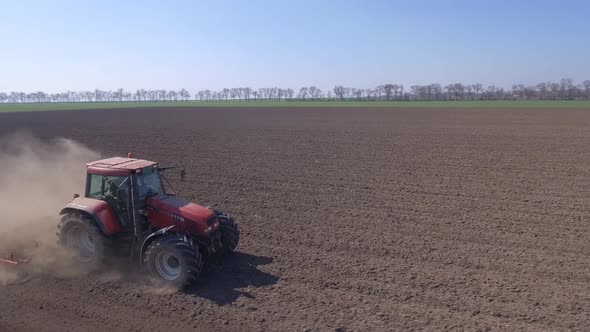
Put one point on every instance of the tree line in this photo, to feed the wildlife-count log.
(566, 89)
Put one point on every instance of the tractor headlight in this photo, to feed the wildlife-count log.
(213, 226)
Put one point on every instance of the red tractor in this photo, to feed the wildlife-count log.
(126, 209)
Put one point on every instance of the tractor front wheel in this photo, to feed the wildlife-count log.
(173, 261)
(230, 233)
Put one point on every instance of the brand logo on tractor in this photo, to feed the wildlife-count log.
(177, 217)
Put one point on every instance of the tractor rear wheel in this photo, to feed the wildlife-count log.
(77, 232)
(173, 261)
(230, 233)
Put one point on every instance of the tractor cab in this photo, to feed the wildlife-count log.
(107, 176)
(124, 183)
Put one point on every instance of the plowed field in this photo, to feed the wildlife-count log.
(352, 220)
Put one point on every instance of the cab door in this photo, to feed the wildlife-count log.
(114, 190)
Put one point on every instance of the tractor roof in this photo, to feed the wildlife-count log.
(117, 166)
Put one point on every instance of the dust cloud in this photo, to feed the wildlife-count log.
(37, 178)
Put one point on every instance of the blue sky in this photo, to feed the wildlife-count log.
(78, 45)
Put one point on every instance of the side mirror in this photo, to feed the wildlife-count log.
(76, 196)
(182, 174)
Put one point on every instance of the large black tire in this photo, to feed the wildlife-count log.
(230, 233)
(79, 234)
(173, 262)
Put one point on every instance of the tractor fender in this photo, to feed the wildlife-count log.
(99, 211)
(150, 239)
(89, 214)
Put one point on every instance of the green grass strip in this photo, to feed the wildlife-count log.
(37, 107)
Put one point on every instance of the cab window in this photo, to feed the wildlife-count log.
(96, 186)
(149, 182)
(101, 185)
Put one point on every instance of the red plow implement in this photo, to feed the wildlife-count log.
(11, 261)
(14, 267)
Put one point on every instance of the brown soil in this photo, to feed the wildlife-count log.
(352, 219)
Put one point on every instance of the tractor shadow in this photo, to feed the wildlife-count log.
(222, 280)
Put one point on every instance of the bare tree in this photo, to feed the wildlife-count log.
(233, 93)
(172, 95)
(273, 93)
(302, 93)
(314, 92)
(289, 93)
(543, 90)
(357, 94)
(388, 89)
(347, 92)
(415, 91)
(339, 91)
(380, 90)
(184, 94)
(566, 88)
(477, 89)
(247, 92)
(518, 90)
(586, 85)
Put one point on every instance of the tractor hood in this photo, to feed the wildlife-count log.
(165, 210)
